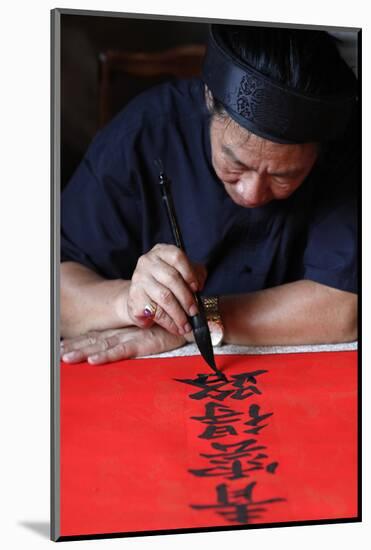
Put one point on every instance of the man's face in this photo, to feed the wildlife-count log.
(255, 171)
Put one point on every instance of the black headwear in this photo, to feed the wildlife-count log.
(268, 108)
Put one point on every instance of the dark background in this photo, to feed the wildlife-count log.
(83, 39)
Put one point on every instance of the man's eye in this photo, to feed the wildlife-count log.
(233, 170)
(236, 168)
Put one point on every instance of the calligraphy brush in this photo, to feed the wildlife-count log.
(198, 322)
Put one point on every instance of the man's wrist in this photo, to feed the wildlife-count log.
(120, 300)
(214, 319)
(227, 310)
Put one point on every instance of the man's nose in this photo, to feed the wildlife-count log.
(252, 189)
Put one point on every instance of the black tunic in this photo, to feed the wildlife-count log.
(112, 212)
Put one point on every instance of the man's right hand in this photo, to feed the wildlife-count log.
(165, 279)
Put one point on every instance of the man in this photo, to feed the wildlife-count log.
(263, 162)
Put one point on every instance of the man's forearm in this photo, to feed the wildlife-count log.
(303, 312)
(89, 302)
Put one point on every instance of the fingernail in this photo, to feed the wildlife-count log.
(194, 286)
(93, 359)
(193, 310)
(187, 327)
(71, 356)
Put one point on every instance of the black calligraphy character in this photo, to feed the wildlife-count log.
(210, 385)
(240, 381)
(217, 416)
(232, 471)
(242, 449)
(256, 419)
(241, 507)
(238, 450)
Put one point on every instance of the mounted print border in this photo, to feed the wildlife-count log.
(158, 444)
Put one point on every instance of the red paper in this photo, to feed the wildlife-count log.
(133, 443)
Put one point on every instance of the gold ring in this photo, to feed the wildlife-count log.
(149, 310)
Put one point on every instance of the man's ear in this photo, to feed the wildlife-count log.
(209, 98)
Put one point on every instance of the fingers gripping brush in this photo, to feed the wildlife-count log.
(198, 322)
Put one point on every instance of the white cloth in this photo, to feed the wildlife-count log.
(191, 349)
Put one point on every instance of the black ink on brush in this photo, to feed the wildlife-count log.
(198, 322)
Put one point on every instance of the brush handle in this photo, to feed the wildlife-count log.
(198, 322)
(200, 319)
(170, 209)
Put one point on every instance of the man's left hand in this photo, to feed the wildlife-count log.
(114, 345)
